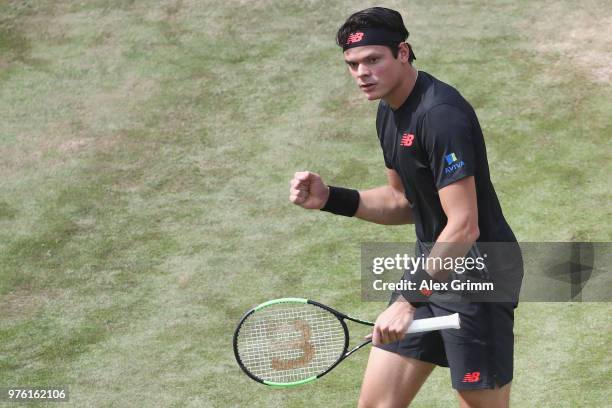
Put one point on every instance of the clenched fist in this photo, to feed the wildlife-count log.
(308, 190)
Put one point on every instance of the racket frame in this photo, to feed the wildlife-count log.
(339, 315)
(341, 318)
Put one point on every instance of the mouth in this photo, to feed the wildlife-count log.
(366, 87)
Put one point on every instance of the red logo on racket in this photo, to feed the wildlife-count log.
(407, 139)
(471, 377)
(354, 38)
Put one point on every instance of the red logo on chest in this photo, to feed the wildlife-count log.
(407, 139)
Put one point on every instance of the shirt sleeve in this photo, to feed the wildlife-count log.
(446, 138)
(386, 145)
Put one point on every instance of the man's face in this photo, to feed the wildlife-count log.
(375, 70)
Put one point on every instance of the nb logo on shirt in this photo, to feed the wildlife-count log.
(407, 139)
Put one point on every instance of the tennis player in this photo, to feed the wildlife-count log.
(438, 179)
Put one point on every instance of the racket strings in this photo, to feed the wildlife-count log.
(290, 342)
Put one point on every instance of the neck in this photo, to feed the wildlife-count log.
(398, 96)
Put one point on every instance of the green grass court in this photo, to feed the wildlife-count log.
(145, 153)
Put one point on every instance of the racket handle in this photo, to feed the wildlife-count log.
(434, 323)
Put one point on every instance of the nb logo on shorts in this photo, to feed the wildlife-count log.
(354, 38)
(471, 377)
(407, 139)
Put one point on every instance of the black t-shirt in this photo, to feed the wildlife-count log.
(431, 141)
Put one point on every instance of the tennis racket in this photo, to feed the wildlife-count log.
(292, 341)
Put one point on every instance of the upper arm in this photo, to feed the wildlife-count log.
(395, 181)
(459, 202)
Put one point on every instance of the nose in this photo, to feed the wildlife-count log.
(363, 71)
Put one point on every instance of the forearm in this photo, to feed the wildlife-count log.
(454, 241)
(384, 205)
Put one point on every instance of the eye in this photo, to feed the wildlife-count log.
(352, 65)
(373, 60)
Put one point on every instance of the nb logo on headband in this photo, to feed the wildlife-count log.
(354, 38)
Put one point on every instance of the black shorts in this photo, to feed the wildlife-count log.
(479, 354)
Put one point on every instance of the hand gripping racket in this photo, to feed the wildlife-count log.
(292, 341)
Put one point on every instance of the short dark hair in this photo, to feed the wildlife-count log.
(379, 18)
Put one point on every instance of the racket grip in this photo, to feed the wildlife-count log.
(435, 323)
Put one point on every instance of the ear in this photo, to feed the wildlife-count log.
(404, 52)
